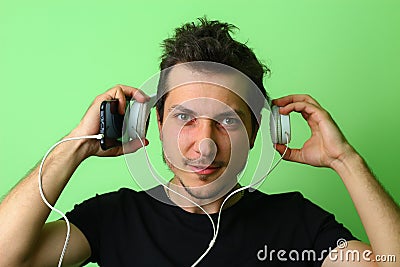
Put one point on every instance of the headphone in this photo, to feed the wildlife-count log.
(279, 127)
(137, 122)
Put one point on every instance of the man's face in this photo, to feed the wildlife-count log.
(205, 133)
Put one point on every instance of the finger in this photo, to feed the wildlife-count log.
(129, 147)
(132, 92)
(290, 154)
(134, 145)
(315, 116)
(119, 93)
(122, 92)
(140, 96)
(283, 101)
(306, 109)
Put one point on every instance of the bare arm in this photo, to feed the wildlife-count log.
(23, 213)
(25, 240)
(327, 147)
(379, 213)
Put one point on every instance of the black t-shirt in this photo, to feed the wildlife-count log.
(128, 228)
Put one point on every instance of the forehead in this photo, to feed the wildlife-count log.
(205, 100)
(203, 94)
(228, 86)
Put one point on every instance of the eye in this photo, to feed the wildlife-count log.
(229, 121)
(183, 117)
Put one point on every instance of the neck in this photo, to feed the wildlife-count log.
(208, 205)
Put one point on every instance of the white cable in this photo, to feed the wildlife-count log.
(167, 188)
(246, 187)
(215, 229)
(212, 242)
(98, 136)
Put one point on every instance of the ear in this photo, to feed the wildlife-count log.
(159, 126)
(253, 137)
(254, 134)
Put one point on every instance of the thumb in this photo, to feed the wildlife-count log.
(290, 154)
(134, 145)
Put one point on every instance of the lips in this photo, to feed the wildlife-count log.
(204, 170)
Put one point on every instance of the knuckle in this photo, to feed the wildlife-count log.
(326, 114)
(113, 88)
(98, 98)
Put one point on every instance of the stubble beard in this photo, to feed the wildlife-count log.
(206, 192)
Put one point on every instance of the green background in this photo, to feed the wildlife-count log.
(56, 56)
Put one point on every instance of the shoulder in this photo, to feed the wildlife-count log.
(292, 206)
(279, 200)
(111, 205)
(128, 193)
(116, 199)
(115, 196)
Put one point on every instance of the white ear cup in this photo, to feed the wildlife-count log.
(285, 129)
(137, 120)
(279, 127)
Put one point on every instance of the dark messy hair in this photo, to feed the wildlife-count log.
(209, 40)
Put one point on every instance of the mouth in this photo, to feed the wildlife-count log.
(204, 170)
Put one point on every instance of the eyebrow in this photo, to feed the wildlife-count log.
(181, 108)
(238, 112)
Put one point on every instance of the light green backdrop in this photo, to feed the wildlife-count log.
(56, 56)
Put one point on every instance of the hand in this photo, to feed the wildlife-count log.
(326, 144)
(90, 123)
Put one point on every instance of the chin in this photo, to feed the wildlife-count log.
(207, 186)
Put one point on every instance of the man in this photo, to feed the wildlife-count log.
(128, 228)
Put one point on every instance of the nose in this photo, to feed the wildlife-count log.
(205, 136)
(207, 148)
